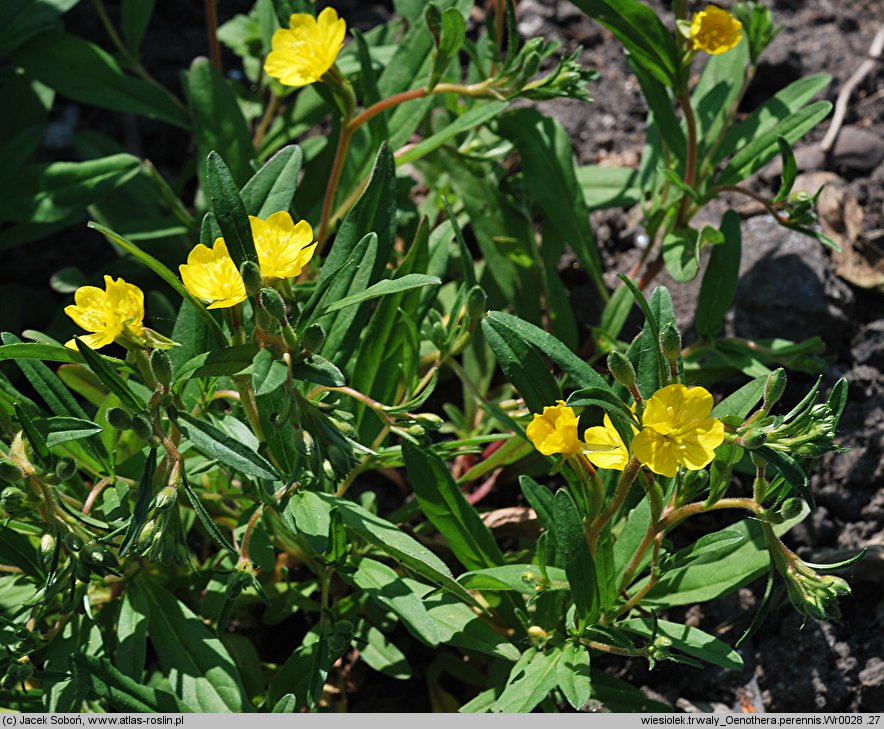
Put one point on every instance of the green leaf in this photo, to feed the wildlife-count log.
(166, 275)
(608, 187)
(522, 364)
(135, 16)
(531, 679)
(790, 170)
(216, 444)
(196, 662)
(681, 253)
(111, 380)
(61, 429)
(395, 543)
(229, 209)
(84, 72)
(541, 499)
(318, 370)
(381, 583)
(131, 634)
(21, 20)
(572, 675)
(550, 175)
(616, 695)
(705, 546)
(571, 542)
(218, 124)
(17, 550)
(273, 186)
(692, 641)
(49, 193)
(720, 279)
(640, 31)
(741, 402)
(269, 373)
(445, 505)
(522, 578)
(142, 503)
(764, 147)
(205, 518)
(310, 518)
(789, 469)
(381, 654)
(457, 625)
(470, 119)
(384, 288)
(122, 692)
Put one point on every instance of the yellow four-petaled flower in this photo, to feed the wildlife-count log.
(211, 275)
(283, 246)
(715, 31)
(555, 430)
(108, 314)
(302, 53)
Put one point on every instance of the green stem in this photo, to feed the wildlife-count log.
(627, 478)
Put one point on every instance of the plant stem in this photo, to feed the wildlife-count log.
(613, 649)
(331, 187)
(690, 168)
(212, 33)
(247, 535)
(266, 120)
(627, 478)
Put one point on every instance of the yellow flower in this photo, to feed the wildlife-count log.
(107, 314)
(283, 247)
(555, 431)
(307, 49)
(715, 31)
(604, 446)
(677, 431)
(211, 275)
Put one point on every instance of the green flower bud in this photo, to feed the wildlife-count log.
(141, 426)
(774, 388)
(430, 421)
(149, 533)
(10, 472)
(328, 469)
(670, 342)
(119, 418)
(292, 341)
(314, 338)
(418, 431)
(753, 438)
(9, 681)
(251, 277)
(46, 552)
(535, 631)
(66, 468)
(439, 335)
(476, 301)
(161, 366)
(13, 501)
(790, 508)
(273, 303)
(304, 443)
(621, 369)
(167, 497)
(74, 542)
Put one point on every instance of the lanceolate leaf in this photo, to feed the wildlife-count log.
(720, 279)
(272, 187)
(570, 540)
(230, 211)
(204, 517)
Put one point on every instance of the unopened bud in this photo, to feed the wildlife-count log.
(47, 549)
(119, 418)
(73, 542)
(476, 301)
(292, 340)
(65, 468)
(621, 369)
(161, 366)
(273, 303)
(167, 497)
(13, 500)
(790, 508)
(753, 438)
(774, 388)
(535, 631)
(141, 426)
(146, 536)
(430, 421)
(314, 338)
(670, 342)
(10, 472)
(328, 469)
(251, 277)
(418, 431)
(439, 335)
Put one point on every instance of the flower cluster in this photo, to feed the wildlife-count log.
(676, 430)
(305, 51)
(283, 249)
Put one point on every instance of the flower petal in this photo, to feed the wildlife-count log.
(656, 452)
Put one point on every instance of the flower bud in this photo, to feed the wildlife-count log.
(146, 538)
(439, 335)
(621, 369)
(74, 542)
(790, 508)
(119, 418)
(273, 303)
(141, 426)
(418, 431)
(10, 472)
(476, 301)
(13, 501)
(161, 366)
(314, 338)
(66, 468)
(774, 388)
(46, 552)
(328, 469)
(292, 340)
(535, 631)
(753, 438)
(670, 342)
(167, 497)
(251, 277)
(430, 421)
